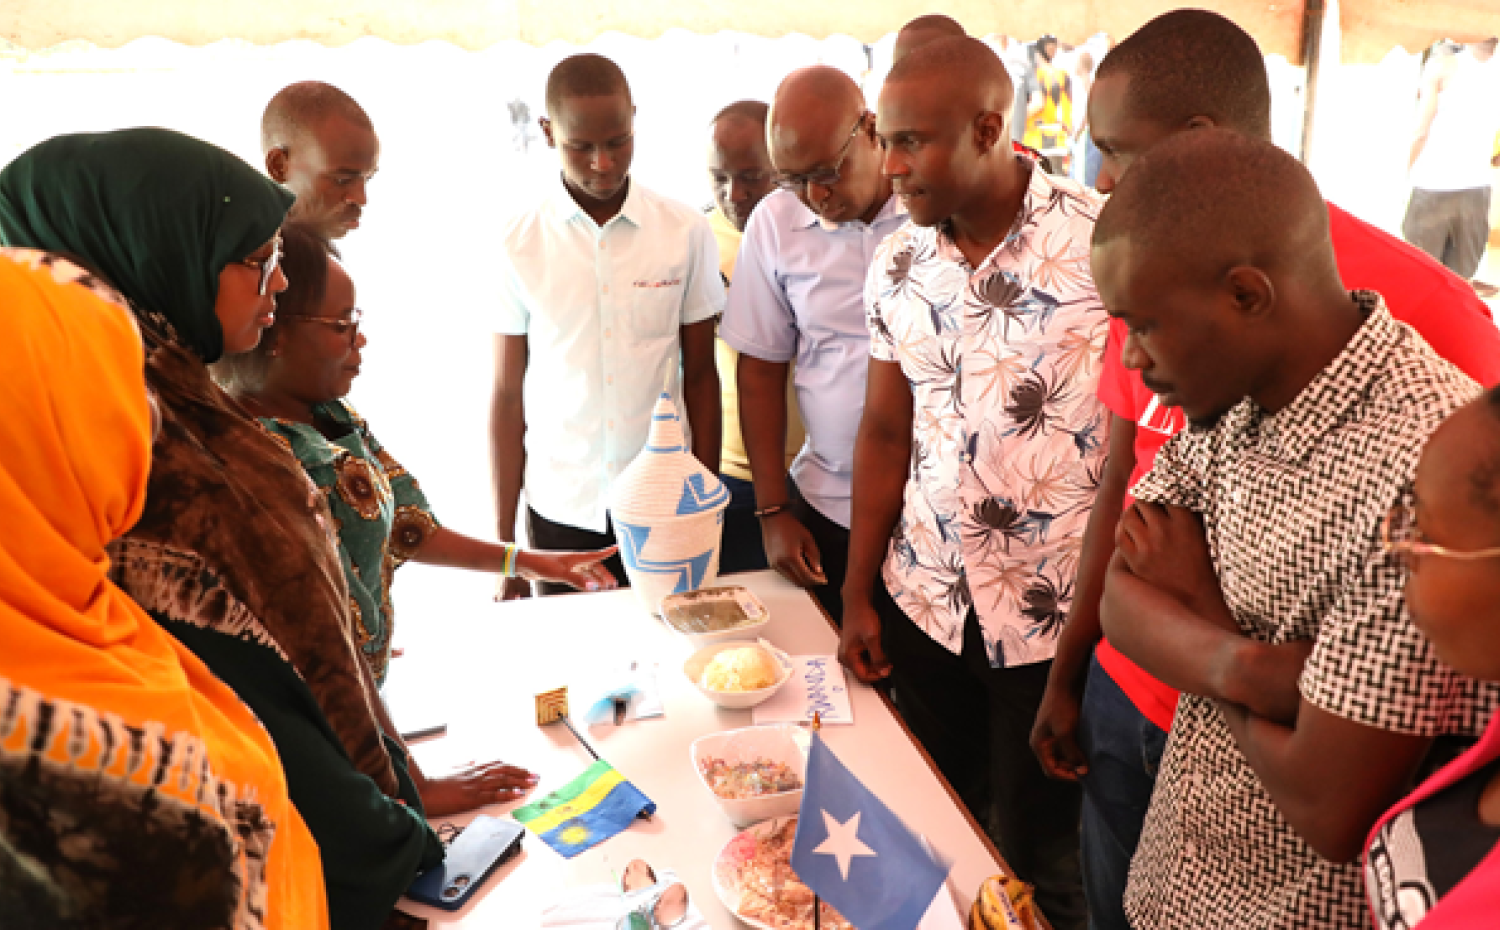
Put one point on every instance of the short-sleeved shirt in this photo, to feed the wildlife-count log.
(379, 511)
(1292, 505)
(798, 296)
(601, 309)
(1438, 304)
(734, 461)
(1008, 433)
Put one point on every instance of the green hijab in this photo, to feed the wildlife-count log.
(157, 213)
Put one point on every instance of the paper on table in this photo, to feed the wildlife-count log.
(817, 684)
(636, 685)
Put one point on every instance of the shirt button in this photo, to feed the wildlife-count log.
(607, 333)
(606, 288)
(610, 424)
(610, 380)
(601, 245)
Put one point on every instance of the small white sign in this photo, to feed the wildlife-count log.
(817, 685)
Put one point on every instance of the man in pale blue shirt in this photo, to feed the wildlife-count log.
(798, 296)
(608, 294)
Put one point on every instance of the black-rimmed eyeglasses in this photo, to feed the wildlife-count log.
(797, 182)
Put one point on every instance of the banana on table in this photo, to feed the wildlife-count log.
(1003, 903)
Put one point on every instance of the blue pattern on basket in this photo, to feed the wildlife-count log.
(690, 571)
(663, 416)
(697, 498)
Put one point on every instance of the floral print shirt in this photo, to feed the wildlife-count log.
(1008, 434)
(380, 515)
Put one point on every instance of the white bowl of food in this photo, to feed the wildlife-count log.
(755, 773)
(740, 674)
(715, 615)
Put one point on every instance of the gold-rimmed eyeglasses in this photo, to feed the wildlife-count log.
(1399, 535)
(266, 266)
(343, 326)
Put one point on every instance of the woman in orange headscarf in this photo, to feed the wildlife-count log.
(135, 788)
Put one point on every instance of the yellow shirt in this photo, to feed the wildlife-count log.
(732, 458)
(1049, 130)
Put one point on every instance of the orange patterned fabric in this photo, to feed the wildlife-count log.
(132, 781)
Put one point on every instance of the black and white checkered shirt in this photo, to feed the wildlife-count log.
(1292, 505)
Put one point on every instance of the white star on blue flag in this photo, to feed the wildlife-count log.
(858, 855)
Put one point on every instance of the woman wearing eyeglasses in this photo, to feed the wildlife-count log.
(1434, 859)
(231, 554)
(295, 381)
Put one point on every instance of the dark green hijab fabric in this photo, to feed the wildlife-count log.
(157, 213)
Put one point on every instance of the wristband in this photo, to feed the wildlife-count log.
(769, 511)
(508, 567)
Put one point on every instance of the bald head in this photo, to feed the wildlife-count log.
(297, 108)
(1215, 198)
(1193, 63)
(966, 69)
(925, 29)
(808, 96)
(320, 143)
(942, 118)
(823, 141)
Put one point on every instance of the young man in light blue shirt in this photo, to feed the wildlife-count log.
(608, 292)
(798, 296)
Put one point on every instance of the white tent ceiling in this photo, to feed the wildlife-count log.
(1370, 28)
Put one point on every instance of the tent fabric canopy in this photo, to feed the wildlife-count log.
(1370, 27)
(476, 24)
(1373, 27)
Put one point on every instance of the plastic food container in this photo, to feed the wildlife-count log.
(714, 615)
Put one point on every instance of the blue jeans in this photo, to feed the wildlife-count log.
(1123, 750)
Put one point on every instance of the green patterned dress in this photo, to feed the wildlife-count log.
(380, 513)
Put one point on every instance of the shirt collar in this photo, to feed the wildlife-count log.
(565, 209)
(1346, 381)
(803, 218)
(1040, 191)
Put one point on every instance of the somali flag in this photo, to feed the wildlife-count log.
(590, 809)
(858, 855)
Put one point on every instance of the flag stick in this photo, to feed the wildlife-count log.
(569, 724)
(817, 725)
(552, 706)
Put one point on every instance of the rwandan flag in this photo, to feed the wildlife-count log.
(592, 808)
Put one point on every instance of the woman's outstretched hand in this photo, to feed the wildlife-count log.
(583, 570)
(474, 786)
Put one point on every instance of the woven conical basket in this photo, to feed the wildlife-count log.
(668, 511)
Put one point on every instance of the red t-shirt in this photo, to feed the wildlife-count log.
(1419, 291)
